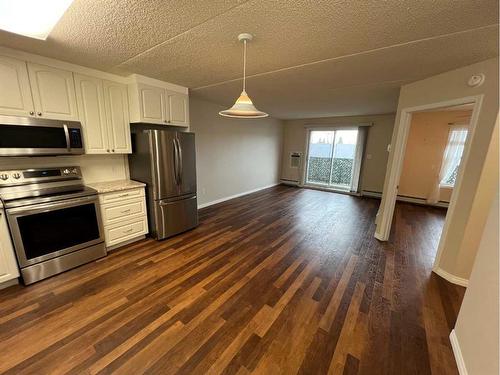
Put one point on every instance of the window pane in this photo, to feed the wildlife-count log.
(343, 157)
(452, 156)
(320, 154)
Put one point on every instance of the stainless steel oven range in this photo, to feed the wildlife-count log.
(54, 220)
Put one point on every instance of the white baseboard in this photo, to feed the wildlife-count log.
(451, 278)
(457, 352)
(236, 195)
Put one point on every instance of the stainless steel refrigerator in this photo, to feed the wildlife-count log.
(166, 162)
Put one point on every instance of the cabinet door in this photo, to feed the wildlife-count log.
(53, 92)
(90, 99)
(15, 92)
(115, 99)
(8, 264)
(178, 108)
(152, 104)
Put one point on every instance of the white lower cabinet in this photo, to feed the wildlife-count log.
(124, 216)
(8, 264)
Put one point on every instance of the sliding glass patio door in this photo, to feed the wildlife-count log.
(333, 159)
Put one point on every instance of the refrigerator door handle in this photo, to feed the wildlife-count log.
(179, 152)
(176, 162)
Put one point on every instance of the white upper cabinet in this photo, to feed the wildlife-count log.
(152, 103)
(178, 109)
(117, 118)
(91, 107)
(53, 92)
(15, 92)
(156, 102)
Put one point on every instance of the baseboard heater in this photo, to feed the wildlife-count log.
(404, 198)
(286, 181)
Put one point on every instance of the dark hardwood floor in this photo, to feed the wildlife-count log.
(282, 281)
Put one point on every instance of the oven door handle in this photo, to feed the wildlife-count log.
(44, 207)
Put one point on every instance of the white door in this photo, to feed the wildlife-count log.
(15, 92)
(90, 99)
(53, 92)
(115, 99)
(8, 264)
(178, 109)
(152, 103)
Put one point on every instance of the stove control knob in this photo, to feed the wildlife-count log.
(4, 176)
(16, 175)
(66, 171)
(74, 171)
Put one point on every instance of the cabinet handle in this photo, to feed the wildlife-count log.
(107, 150)
(122, 195)
(128, 230)
(32, 113)
(113, 150)
(125, 211)
(39, 113)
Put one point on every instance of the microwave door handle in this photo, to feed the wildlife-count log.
(66, 134)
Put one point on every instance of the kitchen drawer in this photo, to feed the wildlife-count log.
(121, 195)
(119, 211)
(124, 231)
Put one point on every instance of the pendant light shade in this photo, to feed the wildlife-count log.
(243, 107)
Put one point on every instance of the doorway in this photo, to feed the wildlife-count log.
(332, 161)
(384, 221)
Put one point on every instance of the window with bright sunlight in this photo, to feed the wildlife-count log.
(453, 155)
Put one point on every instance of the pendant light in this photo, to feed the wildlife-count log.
(243, 107)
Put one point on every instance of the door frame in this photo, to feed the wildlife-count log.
(399, 149)
(309, 129)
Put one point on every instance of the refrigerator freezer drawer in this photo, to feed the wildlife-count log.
(175, 217)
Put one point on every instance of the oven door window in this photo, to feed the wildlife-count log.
(46, 232)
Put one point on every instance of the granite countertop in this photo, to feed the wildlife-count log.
(117, 185)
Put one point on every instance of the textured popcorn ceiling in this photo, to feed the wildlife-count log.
(308, 59)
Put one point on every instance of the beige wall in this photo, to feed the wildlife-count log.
(233, 156)
(425, 147)
(94, 168)
(477, 325)
(440, 88)
(374, 163)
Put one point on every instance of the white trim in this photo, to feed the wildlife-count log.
(457, 352)
(6, 284)
(128, 242)
(220, 200)
(137, 78)
(332, 127)
(451, 278)
(398, 148)
(21, 55)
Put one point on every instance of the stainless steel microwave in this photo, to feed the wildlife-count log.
(27, 136)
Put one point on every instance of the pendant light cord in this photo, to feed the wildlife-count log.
(244, 63)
